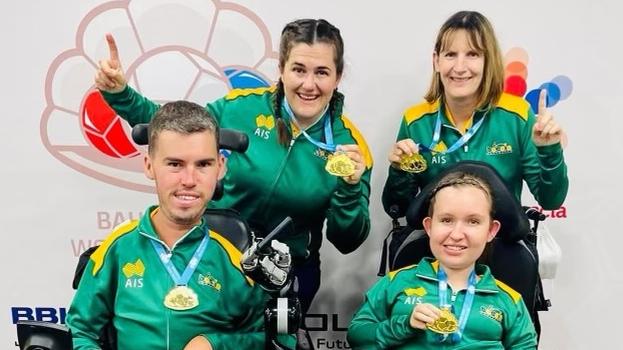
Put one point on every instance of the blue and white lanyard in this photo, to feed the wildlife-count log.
(467, 303)
(192, 264)
(459, 143)
(328, 131)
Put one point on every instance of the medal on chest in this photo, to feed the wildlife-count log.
(181, 298)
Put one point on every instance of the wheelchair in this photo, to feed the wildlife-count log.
(282, 313)
(512, 257)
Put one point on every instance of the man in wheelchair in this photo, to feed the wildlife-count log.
(448, 300)
(171, 280)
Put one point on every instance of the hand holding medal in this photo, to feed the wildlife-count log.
(445, 324)
(424, 314)
(347, 163)
(405, 156)
(414, 163)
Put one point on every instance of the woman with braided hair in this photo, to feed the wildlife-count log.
(305, 159)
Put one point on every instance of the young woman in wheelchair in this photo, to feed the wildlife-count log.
(467, 116)
(448, 300)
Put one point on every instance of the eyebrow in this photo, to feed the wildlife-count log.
(209, 159)
(302, 65)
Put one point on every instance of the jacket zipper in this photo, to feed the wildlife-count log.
(279, 173)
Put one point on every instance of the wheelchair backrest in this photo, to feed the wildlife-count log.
(229, 224)
(508, 211)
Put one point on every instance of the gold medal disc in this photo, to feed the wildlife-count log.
(445, 324)
(181, 298)
(338, 164)
(414, 163)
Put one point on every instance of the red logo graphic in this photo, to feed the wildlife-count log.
(104, 128)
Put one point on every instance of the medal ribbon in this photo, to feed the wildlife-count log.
(192, 264)
(467, 303)
(459, 143)
(328, 131)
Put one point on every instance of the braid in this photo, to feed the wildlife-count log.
(282, 130)
(336, 103)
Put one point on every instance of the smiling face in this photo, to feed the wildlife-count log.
(460, 226)
(185, 168)
(309, 78)
(460, 67)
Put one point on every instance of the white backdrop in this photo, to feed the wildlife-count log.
(61, 194)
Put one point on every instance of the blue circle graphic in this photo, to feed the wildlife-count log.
(565, 84)
(242, 78)
(533, 99)
(553, 93)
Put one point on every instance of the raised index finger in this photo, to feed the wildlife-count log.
(112, 47)
(542, 102)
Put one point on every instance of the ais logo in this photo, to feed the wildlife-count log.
(218, 46)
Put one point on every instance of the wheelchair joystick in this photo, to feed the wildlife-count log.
(268, 263)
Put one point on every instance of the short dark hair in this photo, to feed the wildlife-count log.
(182, 117)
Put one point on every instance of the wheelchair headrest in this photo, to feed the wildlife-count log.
(508, 211)
(228, 139)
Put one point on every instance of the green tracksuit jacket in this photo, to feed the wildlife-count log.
(498, 318)
(504, 140)
(269, 181)
(126, 282)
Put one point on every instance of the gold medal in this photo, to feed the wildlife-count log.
(181, 298)
(445, 324)
(338, 164)
(414, 163)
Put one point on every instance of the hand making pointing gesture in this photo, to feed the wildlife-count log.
(109, 76)
(546, 130)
